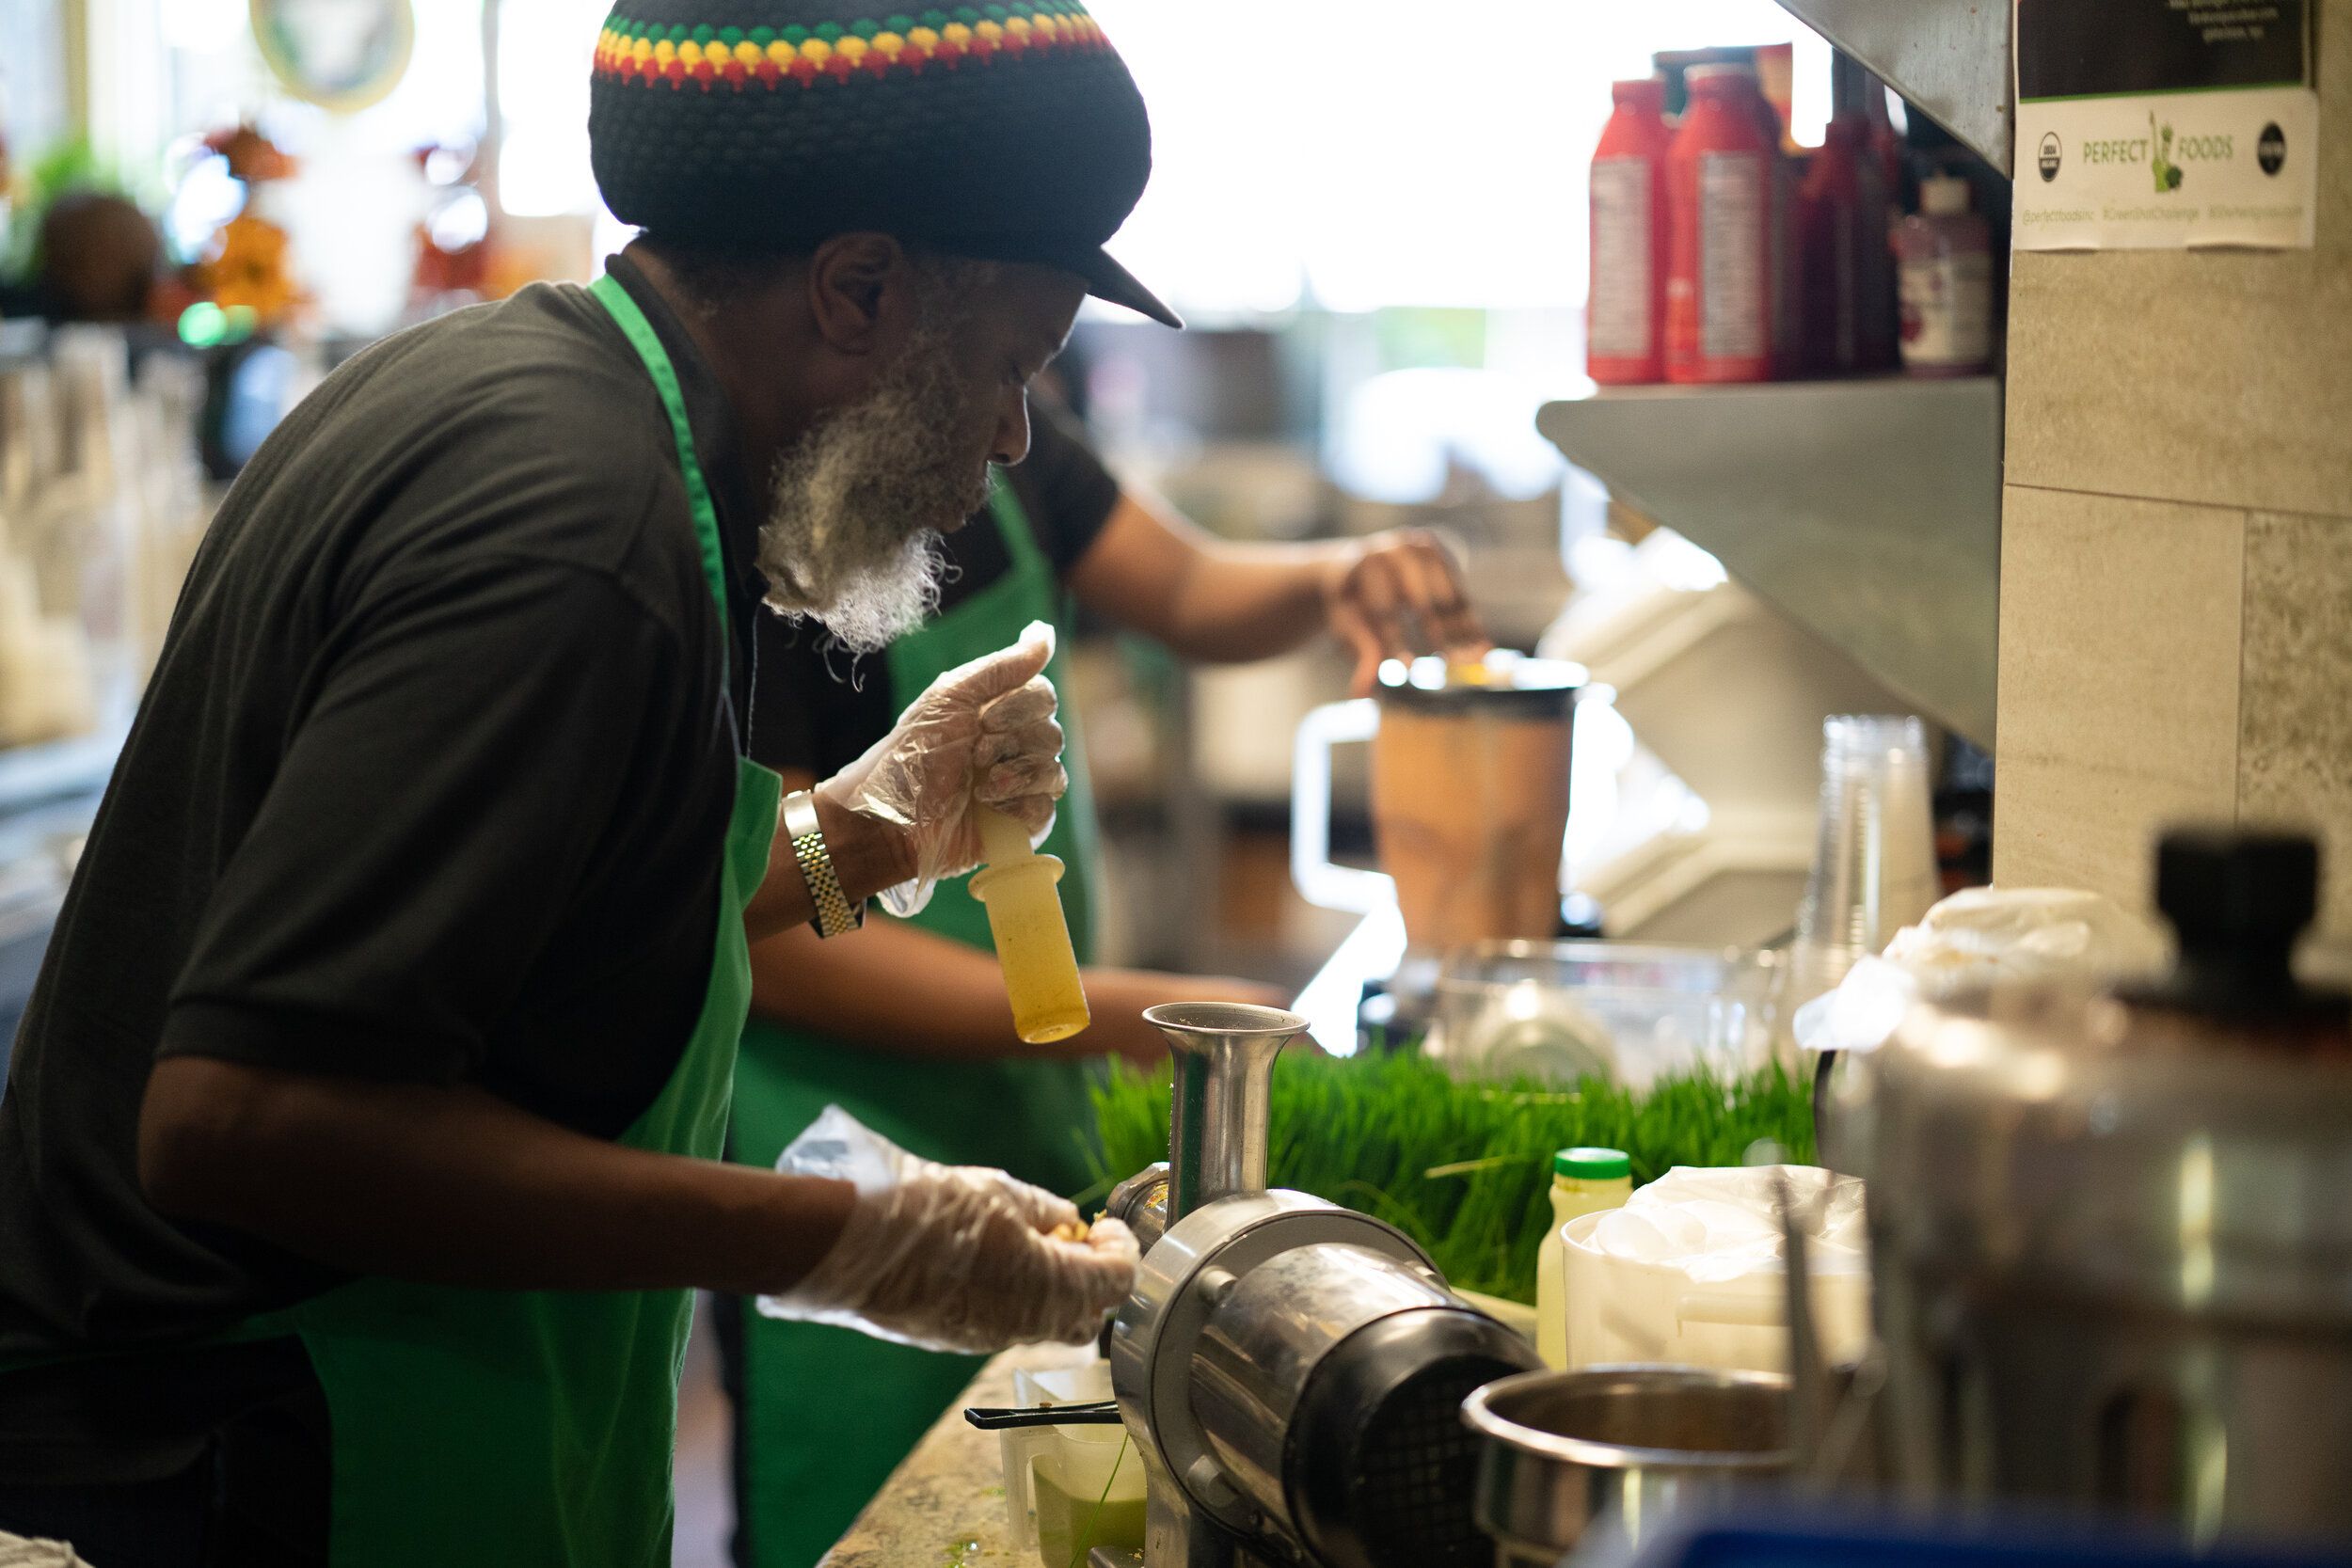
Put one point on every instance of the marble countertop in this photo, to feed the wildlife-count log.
(943, 1506)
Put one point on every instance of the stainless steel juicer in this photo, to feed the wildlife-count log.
(1291, 1372)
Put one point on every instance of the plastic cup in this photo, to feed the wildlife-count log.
(1874, 861)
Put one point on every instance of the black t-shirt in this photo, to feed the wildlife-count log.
(819, 712)
(431, 783)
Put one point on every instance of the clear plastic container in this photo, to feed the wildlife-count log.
(1626, 1012)
(1071, 1489)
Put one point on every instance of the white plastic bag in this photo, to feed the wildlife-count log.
(1981, 937)
(1693, 1270)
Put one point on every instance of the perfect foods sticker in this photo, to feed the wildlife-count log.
(2165, 124)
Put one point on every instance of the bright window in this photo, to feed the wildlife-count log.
(546, 49)
(1391, 153)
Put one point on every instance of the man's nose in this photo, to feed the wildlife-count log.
(1013, 429)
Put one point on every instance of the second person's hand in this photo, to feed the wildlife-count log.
(1400, 593)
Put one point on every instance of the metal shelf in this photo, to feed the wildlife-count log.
(1867, 511)
(1949, 58)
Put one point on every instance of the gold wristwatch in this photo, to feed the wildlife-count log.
(835, 912)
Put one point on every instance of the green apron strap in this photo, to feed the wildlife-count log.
(1021, 546)
(648, 342)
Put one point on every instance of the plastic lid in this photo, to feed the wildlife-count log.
(1503, 679)
(1592, 1165)
(1721, 74)
(1942, 194)
(1641, 92)
(1852, 737)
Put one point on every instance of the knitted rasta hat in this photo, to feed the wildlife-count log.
(1007, 132)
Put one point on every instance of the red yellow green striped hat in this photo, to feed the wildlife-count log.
(1010, 132)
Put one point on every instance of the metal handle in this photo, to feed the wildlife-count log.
(1320, 882)
(1099, 1412)
(1808, 1396)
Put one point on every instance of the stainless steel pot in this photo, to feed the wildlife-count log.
(2112, 1251)
(1563, 1449)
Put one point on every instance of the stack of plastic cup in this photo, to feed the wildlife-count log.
(1874, 863)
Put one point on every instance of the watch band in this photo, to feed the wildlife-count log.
(835, 912)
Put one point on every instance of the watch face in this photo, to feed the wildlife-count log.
(344, 55)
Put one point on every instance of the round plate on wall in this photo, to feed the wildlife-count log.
(341, 54)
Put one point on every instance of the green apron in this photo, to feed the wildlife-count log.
(537, 1427)
(823, 1414)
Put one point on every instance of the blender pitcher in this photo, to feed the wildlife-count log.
(1470, 797)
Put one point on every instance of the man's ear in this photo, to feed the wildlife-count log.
(851, 278)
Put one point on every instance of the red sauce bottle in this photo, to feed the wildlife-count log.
(1720, 278)
(1849, 211)
(1625, 315)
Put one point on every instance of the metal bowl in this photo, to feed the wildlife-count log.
(1562, 1449)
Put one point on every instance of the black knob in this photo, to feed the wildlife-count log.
(2249, 890)
(2238, 899)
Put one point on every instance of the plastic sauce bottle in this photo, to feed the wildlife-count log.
(1624, 316)
(1032, 935)
(1883, 140)
(1784, 251)
(1944, 260)
(1584, 1182)
(1848, 209)
(1719, 201)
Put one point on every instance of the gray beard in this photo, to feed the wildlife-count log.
(857, 508)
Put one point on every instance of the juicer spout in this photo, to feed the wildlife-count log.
(1224, 1073)
(1140, 1203)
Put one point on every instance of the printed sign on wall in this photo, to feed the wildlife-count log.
(2165, 124)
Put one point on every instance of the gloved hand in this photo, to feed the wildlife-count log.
(950, 1257)
(984, 729)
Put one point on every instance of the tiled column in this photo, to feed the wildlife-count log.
(2176, 571)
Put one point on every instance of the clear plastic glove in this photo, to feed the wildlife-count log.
(950, 1257)
(984, 730)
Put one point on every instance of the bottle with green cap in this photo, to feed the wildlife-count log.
(1584, 1182)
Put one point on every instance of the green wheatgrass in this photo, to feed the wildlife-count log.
(1465, 1168)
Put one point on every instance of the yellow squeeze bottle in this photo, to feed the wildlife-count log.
(1024, 916)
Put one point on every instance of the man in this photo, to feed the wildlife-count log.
(360, 1146)
(939, 1069)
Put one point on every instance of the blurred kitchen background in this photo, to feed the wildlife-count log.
(1376, 219)
(1374, 216)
